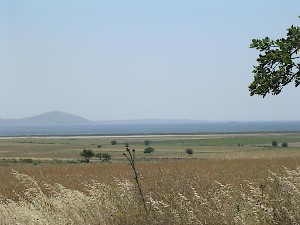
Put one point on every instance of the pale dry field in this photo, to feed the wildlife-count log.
(211, 191)
(204, 172)
(228, 180)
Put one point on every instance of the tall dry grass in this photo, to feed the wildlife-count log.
(174, 197)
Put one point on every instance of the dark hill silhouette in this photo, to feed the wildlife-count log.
(46, 119)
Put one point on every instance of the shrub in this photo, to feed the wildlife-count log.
(87, 154)
(189, 151)
(126, 144)
(26, 160)
(113, 142)
(106, 156)
(274, 143)
(147, 142)
(149, 150)
(284, 145)
(99, 155)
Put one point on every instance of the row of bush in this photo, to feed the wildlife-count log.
(88, 154)
(283, 144)
(114, 142)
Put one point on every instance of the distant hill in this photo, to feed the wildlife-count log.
(56, 118)
(46, 119)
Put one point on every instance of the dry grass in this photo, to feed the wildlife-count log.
(221, 183)
(235, 191)
(233, 171)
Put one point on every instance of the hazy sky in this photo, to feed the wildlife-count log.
(126, 59)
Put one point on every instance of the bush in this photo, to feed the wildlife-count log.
(106, 156)
(87, 154)
(189, 151)
(284, 145)
(126, 144)
(149, 150)
(274, 143)
(26, 160)
(147, 142)
(99, 155)
(113, 142)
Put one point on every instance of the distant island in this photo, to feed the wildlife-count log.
(47, 119)
(56, 118)
(61, 123)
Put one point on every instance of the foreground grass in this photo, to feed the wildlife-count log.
(226, 181)
(235, 191)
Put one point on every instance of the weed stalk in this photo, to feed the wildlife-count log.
(131, 158)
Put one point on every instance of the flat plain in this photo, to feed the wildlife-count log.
(230, 159)
(58, 160)
(205, 146)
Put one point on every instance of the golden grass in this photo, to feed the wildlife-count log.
(206, 172)
(217, 185)
(177, 192)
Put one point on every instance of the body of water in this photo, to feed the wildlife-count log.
(171, 128)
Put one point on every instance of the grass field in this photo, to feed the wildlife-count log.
(171, 146)
(227, 180)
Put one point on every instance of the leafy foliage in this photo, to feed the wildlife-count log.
(113, 142)
(147, 142)
(278, 63)
(99, 155)
(149, 150)
(189, 151)
(274, 143)
(87, 154)
(284, 145)
(106, 156)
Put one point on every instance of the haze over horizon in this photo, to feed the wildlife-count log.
(115, 60)
(59, 113)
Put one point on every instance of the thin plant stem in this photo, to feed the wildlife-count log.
(131, 159)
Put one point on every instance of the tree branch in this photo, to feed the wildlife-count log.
(298, 57)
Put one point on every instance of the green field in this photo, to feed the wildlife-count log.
(218, 146)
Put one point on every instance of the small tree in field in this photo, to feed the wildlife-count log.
(274, 144)
(87, 154)
(99, 155)
(106, 156)
(147, 142)
(149, 150)
(113, 142)
(284, 145)
(189, 151)
(126, 144)
(99, 146)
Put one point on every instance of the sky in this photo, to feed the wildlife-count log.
(115, 60)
